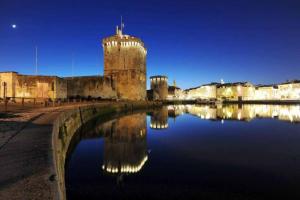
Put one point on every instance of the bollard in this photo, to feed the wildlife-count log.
(23, 102)
(34, 101)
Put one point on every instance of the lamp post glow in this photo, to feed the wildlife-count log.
(14, 26)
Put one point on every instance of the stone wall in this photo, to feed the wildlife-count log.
(68, 123)
(90, 86)
(61, 89)
(35, 86)
(52, 87)
(7, 82)
(32, 87)
(130, 84)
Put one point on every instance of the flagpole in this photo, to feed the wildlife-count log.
(36, 60)
(121, 24)
(72, 65)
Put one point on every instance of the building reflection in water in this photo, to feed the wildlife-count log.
(125, 145)
(247, 112)
(159, 118)
(176, 110)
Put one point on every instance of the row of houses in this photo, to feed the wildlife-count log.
(243, 91)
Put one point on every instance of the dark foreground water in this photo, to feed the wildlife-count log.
(185, 152)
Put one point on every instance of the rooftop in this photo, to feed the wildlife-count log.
(234, 84)
(208, 84)
(158, 76)
(9, 72)
(290, 81)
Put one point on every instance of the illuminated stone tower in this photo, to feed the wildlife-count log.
(125, 63)
(159, 86)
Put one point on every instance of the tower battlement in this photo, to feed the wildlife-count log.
(123, 41)
(158, 78)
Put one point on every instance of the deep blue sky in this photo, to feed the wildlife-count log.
(191, 41)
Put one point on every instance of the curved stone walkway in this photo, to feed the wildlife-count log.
(26, 166)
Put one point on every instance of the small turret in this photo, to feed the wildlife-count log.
(159, 86)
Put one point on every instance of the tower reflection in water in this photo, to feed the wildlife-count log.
(159, 119)
(125, 145)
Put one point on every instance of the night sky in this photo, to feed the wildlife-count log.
(191, 41)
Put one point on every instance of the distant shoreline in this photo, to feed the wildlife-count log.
(274, 102)
(278, 102)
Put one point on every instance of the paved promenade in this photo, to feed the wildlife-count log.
(26, 170)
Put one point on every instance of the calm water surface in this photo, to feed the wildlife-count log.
(191, 151)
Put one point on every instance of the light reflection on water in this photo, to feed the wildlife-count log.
(125, 146)
(240, 112)
(184, 152)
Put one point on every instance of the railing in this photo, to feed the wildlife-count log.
(46, 102)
